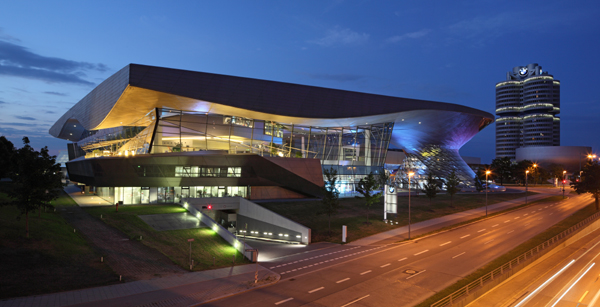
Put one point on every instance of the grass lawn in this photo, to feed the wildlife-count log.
(173, 243)
(353, 213)
(53, 259)
(577, 217)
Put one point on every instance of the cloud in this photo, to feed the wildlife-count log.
(19, 124)
(6, 37)
(2, 102)
(50, 112)
(336, 77)
(340, 36)
(56, 93)
(25, 118)
(411, 35)
(18, 61)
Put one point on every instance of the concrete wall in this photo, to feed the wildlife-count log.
(261, 222)
(570, 157)
(221, 231)
(254, 211)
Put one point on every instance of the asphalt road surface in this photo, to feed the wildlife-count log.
(571, 282)
(401, 274)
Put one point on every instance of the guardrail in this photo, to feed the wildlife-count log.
(461, 293)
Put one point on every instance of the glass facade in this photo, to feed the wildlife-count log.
(166, 195)
(354, 151)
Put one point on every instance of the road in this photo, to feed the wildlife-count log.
(400, 274)
(573, 281)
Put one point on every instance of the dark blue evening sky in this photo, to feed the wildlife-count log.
(53, 53)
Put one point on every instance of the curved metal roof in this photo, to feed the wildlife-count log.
(137, 89)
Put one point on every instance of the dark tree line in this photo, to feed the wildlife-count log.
(36, 177)
(503, 170)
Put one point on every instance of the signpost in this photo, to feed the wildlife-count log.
(191, 240)
(344, 233)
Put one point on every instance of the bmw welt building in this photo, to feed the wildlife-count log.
(157, 135)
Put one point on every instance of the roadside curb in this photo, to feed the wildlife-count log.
(251, 288)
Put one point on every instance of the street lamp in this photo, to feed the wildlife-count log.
(409, 175)
(486, 190)
(564, 173)
(526, 172)
(589, 156)
(535, 181)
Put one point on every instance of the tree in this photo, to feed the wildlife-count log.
(36, 180)
(431, 187)
(503, 167)
(452, 183)
(589, 182)
(367, 187)
(477, 181)
(331, 195)
(382, 179)
(7, 150)
(520, 168)
(556, 171)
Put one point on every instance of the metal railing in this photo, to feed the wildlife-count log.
(498, 272)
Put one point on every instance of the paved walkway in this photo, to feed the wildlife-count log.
(131, 259)
(85, 200)
(180, 290)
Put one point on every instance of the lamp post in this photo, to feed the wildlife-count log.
(564, 173)
(526, 172)
(409, 175)
(589, 156)
(486, 190)
(535, 180)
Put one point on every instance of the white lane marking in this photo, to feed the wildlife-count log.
(356, 300)
(551, 213)
(495, 225)
(526, 214)
(411, 276)
(315, 290)
(366, 272)
(527, 224)
(572, 285)
(594, 299)
(487, 242)
(282, 273)
(402, 259)
(545, 207)
(506, 221)
(421, 252)
(481, 230)
(286, 300)
(383, 266)
(539, 219)
(544, 284)
(464, 236)
(445, 243)
(517, 217)
(342, 280)
(509, 231)
(459, 255)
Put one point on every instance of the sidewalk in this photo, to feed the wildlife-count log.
(85, 200)
(180, 290)
(419, 228)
